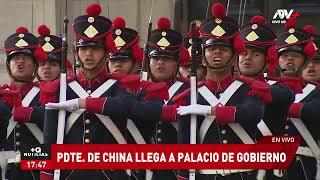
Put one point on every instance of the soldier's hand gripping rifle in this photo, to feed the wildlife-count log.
(63, 89)
(193, 88)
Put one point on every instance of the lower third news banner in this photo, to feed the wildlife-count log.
(270, 152)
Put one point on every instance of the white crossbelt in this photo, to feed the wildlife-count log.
(133, 129)
(172, 91)
(236, 127)
(214, 101)
(35, 130)
(303, 130)
(106, 121)
(265, 131)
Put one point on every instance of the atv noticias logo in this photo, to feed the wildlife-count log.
(282, 15)
(35, 152)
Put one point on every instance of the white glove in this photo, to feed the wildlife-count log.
(198, 109)
(70, 105)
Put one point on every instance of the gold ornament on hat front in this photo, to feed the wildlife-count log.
(163, 43)
(218, 31)
(291, 39)
(91, 31)
(21, 43)
(119, 42)
(47, 47)
(252, 36)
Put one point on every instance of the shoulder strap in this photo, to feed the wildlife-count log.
(213, 101)
(30, 96)
(173, 89)
(271, 82)
(305, 92)
(134, 131)
(26, 102)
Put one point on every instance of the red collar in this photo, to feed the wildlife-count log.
(296, 84)
(219, 86)
(261, 78)
(23, 90)
(92, 83)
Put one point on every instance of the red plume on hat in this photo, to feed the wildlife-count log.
(310, 50)
(43, 30)
(258, 19)
(93, 9)
(39, 54)
(218, 10)
(22, 29)
(310, 30)
(109, 43)
(238, 45)
(119, 23)
(184, 56)
(272, 60)
(137, 52)
(196, 32)
(291, 22)
(164, 23)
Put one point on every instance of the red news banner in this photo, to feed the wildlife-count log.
(270, 152)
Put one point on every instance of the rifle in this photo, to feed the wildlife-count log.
(193, 88)
(146, 59)
(63, 89)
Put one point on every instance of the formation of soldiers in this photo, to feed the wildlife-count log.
(108, 103)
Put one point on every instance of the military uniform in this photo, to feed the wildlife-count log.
(230, 97)
(23, 128)
(157, 125)
(86, 126)
(259, 36)
(305, 105)
(52, 46)
(304, 166)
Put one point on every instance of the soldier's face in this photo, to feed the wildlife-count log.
(163, 68)
(312, 71)
(123, 66)
(251, 62)
(290, 62)
(22, 67)
(218, 56)
(90, 56)
(49, 70)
